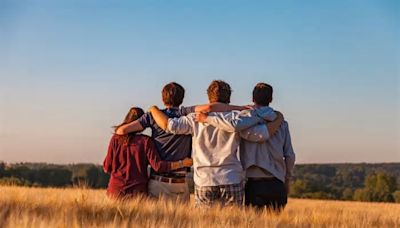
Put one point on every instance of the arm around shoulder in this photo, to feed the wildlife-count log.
(129, 128)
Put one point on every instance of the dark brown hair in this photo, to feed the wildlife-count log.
(173, 94)
(262, 94)
(133, 114)
(219, 91)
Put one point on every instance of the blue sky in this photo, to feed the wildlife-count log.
(71, 69)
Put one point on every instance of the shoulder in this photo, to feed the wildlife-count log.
(115, 137)
(247, 112)
(145, 115)
(145, 118)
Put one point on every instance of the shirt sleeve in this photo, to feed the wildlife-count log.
(108, 161)
(232, 121)
(180, 126)
(288, 153)
(154, 159)
(145, 120)
(258, 133)
(183, 111)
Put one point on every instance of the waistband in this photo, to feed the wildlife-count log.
(174, 174)
(170, 180)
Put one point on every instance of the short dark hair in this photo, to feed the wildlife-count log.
(219, 91)
(173, 94)
(262, 94)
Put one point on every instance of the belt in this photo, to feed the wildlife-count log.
(168, 179)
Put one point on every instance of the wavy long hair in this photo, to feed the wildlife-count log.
(133, 114)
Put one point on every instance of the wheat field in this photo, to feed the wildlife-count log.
(47, 207)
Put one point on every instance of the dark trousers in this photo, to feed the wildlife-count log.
(266, 193)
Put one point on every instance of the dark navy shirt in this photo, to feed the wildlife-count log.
(170, 147)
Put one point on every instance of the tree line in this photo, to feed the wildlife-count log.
(49, 175)
(359, 182)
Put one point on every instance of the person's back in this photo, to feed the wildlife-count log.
(215, 154)
(171, 147)
(127, 164)
(269, 164)
(273, 151)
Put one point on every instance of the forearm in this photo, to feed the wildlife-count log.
(159, 117)
(176, 165)
(129, 128)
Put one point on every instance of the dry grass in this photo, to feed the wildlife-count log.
(36, 207)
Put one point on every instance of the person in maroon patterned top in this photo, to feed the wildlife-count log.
(128, 157)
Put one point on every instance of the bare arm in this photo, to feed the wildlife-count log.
(129, 128)
(160, 118)
(187, 162)
(218, 107)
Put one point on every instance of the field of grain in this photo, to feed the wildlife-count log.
(36, 207)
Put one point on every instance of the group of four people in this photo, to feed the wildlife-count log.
(240, 153)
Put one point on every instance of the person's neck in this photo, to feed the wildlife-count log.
(260, 106)
(170, 106)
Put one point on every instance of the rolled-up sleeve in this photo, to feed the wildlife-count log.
(187, 110)
(180, 126)
(288, 153)
(258, 133)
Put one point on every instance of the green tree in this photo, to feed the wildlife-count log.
(2, 169)
(379, 187)
(396, 196)
(347, 194)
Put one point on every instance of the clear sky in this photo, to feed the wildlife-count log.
(69, 70)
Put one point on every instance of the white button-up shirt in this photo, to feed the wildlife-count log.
(216, 158)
